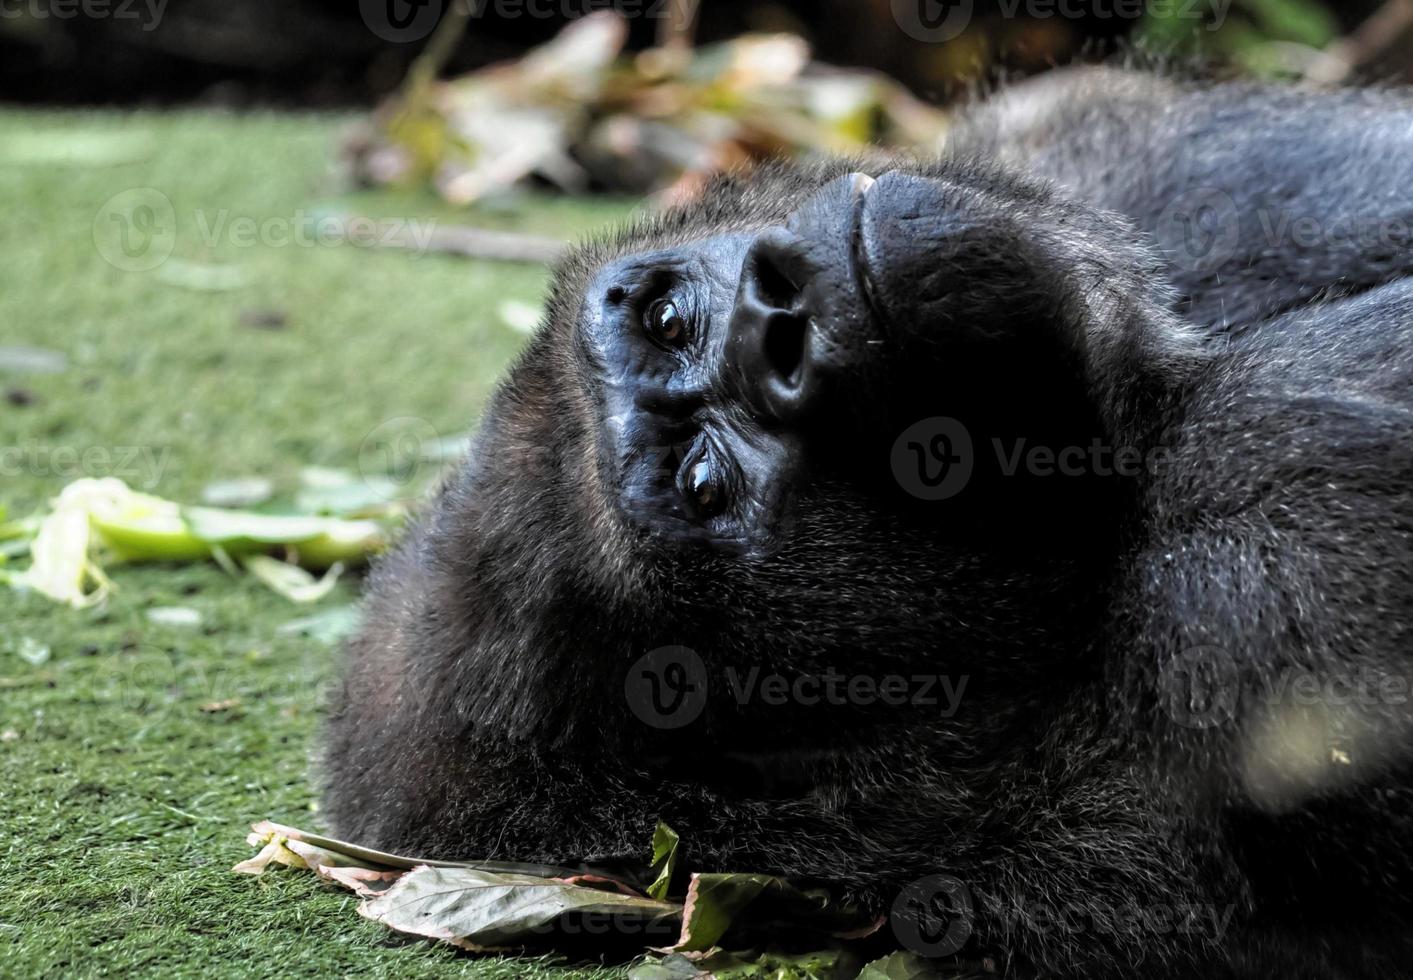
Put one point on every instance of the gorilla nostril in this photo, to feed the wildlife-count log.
(773, 286)
(771, 347)
(785, 324)
(785, 346)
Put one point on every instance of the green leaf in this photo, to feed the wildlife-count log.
(291, 581)
(329, 627)
(180, 616)
(720, 964)
(245, 491)
(77, 148)
(215, 525)
(204, 277)
(899, 966)
(30, 650)
(665, 841)
(60, 564)
(716, 902)
(16, 359)
(332, 491)
(481, 909)
(713, 901)
(355, 855)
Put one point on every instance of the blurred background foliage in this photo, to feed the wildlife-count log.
(476, 97)
(322, 52)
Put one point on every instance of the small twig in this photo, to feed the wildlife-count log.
(502, 246)
(1364, 44)
(464, 240)
(442, 45)
(679, 28)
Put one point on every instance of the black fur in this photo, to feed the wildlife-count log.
(1270, 385)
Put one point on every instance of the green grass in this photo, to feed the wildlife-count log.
(122, 803)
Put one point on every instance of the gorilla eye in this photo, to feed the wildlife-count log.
(703, 486)
(666, 324)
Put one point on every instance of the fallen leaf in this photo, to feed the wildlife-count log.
(329, 627)
(520, 317)
(480, 909)
(355, 855)
(713, 901)
(244, 491)
(183, 616)
(294, 583)
(342, 492)
(899, 966)
(321, 541)
(364, 882)
(97, 519)
(201, 276)
(716, 902)
(30, 650)
(60, 564)
(482, 905)
(771, 964)
(76, 148)
(665, 841)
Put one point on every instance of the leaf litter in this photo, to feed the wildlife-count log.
(336, 521)
(718, 919)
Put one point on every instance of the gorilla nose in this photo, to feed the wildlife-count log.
(769, 342)
(797, 290)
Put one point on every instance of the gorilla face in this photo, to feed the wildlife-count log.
(682, 451)
(735, 372)
(710, 358)
(736, 394)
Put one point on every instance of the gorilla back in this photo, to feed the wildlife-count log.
(870, 521)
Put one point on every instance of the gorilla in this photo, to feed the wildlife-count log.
(1036, 520)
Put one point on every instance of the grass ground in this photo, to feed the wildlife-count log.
(122, 803)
